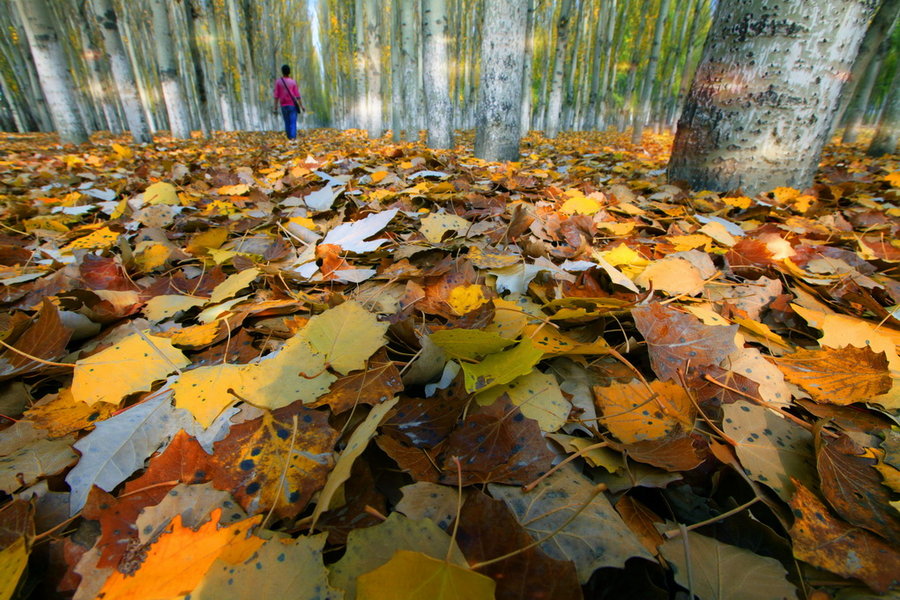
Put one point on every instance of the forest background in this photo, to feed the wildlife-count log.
(589, 64)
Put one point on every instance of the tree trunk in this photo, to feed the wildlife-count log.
(410, 69)
(373, 71)
(554, 105)
(122, 72)
(176, 107)
(499, 105)
(632, 72)
(760, 107)
(525, 119)
(687, 71)
(637, 130)
(876, 34)
(396, 73)
(860, 103)
(53, 73)
(436, 77)
(888, 131)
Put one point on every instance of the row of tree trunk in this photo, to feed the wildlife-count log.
(505, 66)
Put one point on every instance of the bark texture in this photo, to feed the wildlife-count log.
(887, 134)
(53, 74)
(554, 106)
(500, 100)
(122, 72)
(435, 73)
(765, 92)
(373, 71)
(176, 106)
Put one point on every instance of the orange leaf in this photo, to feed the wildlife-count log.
(180, 558)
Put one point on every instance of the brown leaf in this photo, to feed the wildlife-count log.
(676, 340)
(680, 452)
(635, 412)
(378, 382)
(838, 375)
(497, 444)
(828, 543)
(45, 338)
(488, 529)
(852, 485)
(642, 521)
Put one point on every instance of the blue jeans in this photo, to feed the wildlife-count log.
(290, 121)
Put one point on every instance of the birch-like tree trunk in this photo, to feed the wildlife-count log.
(643, 111)
(409, 58)
(554, 105)
(525, 119)
(761, 104)
(53, 73)
(373, 122)
(632, 73)
(500, 95)
(396, 73)
(122, 72)
(173, 94)
(856, 111)
(887, 133)
(435, 73)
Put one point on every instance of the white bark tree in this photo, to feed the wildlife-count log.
(435, 73)
(554, 106)
(53, 73)
(499, 112)
(763, 97)
(123, 75)
(173, 94)
(409, 58)
(643, 112)
(373, 71)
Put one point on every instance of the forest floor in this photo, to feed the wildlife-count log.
(336, 368)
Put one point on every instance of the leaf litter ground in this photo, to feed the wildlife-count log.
(240, 365)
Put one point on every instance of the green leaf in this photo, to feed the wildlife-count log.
(346, 335)
(501, 367)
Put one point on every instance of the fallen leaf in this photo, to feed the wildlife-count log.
(634, 412)
(839, 376)
(828, 543)
(416, 576)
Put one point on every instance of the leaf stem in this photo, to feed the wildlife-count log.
(682, 528)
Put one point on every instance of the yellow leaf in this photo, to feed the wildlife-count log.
(538, 397)
(469, 343)
(100, 239)
(581, 204)
(675, 276)
(166, 305)
(377, 176)
(234, 284)
(623, 256)
(195, 336)
(501, 367)
(893, 179)
(161, 193)
(177, 562)
(152, 255)
(683, 243)
(123, 152)
(634, 413)
(13, 560)
(233, 190)
(415, 576)
(295, 373)
(550, 340)
(209, 239)
(509, 319)
(130, 366)
(464, 299)
(346, 335)
(204, 391)
(435, 225)
(741, 202)
(64, 415)
(783, 195)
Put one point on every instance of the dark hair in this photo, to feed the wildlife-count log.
(285, 70)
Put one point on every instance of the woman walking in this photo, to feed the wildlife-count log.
(288, 98)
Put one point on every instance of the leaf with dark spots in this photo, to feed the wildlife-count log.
(497, 444)
(734, 386)
(852, 485)
(488, 529)
(362, 496)
(828, 543)
(418, 462)
(237, 350)
(677, 340)
(425, 422)
(276, 462)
